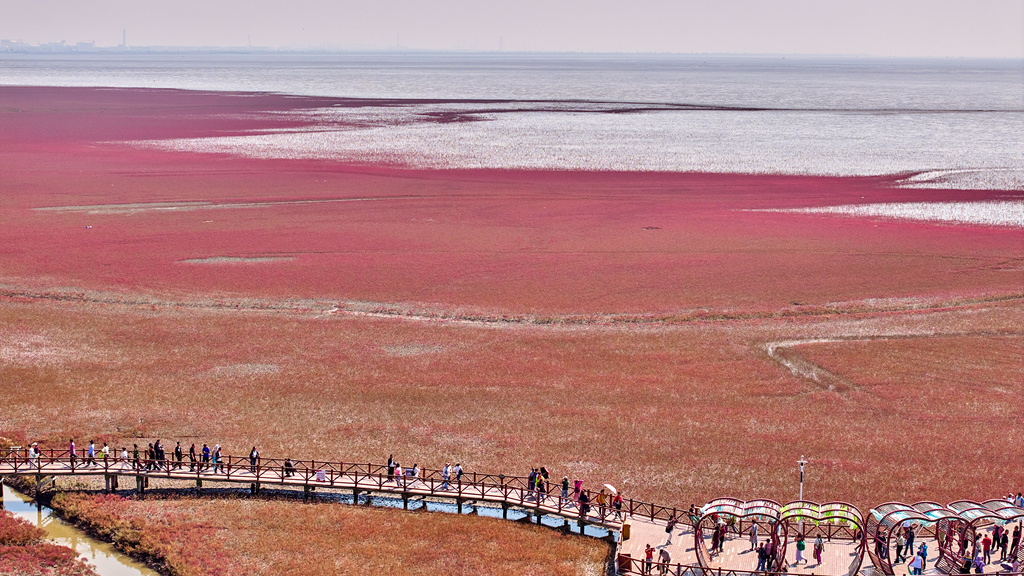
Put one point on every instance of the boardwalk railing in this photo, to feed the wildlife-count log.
(628, 565)
(359, 477)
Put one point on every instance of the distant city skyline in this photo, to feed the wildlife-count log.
(913, 28)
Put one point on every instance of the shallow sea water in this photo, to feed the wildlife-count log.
(942, 123)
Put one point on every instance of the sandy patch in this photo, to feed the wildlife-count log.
(136, 207)
(403, 350)
(237, 259)
(244, 370)
(986, 213)
(34, 350)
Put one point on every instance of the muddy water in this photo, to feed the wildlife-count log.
(108, 562)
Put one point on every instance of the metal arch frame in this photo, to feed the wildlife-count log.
(886, 518)
(834, 512)
(976, 516)
(778, 518)
(1009, 512)
(757, 509)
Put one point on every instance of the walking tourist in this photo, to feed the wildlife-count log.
(648, 559)
(565, 487)
(206, 457)
(33, 455)
(415, 473)
(179, 456)
(986, 548)
(150, 457)
(124, 456)
(105, 453)
(669, 527)
(819, 547)
(901, 543)
(399, 475)
(762, 557)
(769, 555)
(90, 454)
(1019, 500)
(446, 475)
(800, 547)
(602, 501)
(721, 538)
(577, 489)
(753, 535)
(192, 458)
(71, 451)
(218, 460)
(617, 503)
(1015, 542)
(922, 551)
(391, 467)
(715, 535)
(289, 468)
(135, 457)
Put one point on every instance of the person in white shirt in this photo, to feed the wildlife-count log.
(446, 474)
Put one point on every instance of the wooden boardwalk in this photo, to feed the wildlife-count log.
(646, 522)
(508, 492)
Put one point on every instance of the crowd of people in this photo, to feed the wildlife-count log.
(150, 459)
(538, 486)
(983, 549)
(986, 545)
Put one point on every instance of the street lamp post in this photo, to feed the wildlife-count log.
(801, 462)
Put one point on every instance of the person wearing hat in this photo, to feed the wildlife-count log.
(33, 454)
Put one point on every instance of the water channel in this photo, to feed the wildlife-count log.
(110, 562)
(102, 555)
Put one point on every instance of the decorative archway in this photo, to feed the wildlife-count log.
(974, 516)
(764, 513)
(830, 520)
(885, 521)
(838, 520)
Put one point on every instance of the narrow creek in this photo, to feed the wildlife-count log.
(102, 555)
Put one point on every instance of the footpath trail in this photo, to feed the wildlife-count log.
(638, 525)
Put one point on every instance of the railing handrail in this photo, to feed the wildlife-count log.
(513, 489)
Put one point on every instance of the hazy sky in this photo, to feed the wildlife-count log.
(968, 28)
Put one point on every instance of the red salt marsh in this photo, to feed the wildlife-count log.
(489, 242)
